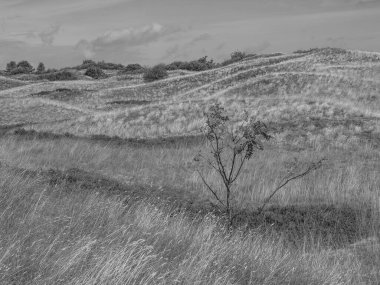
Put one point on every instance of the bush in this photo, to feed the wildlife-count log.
(155, 73)
(24, 67)
(41, 68)
(175, 65)
(236, 56)
(133, 68)
(95, 72)
(59, 75)
(11, 66)
(21, 67)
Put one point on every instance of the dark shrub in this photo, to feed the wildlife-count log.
(155, 73)
(175, 65)
(133, 68)
(11, 66)
(41, 68)
(95, 72)
(236, 56)
(24, 67)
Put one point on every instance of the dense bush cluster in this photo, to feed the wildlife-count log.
(21, 67)
(95, 72)
(155, 73)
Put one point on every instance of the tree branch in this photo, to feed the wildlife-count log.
(312, 167)
(209, 188)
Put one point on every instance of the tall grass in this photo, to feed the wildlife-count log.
(50, 236)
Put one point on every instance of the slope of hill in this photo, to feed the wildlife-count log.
(325, 94)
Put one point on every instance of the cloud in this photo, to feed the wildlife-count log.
(52, 56)
(258, 48)
(86, 48)
(47, 37)
(200, 38)
(125, 38)
(182, 51)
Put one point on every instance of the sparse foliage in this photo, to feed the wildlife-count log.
(229, 149)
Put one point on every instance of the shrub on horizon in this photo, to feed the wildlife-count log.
(235, 57)
(40, 68)
(11, 66)
(155, 73)
(24, 67)
(133, 68)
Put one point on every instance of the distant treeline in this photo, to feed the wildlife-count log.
(96, 69)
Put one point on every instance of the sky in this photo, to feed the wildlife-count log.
(64, 32)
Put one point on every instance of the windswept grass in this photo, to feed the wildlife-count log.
(50, 236)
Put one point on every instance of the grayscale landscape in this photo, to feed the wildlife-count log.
(102, 180)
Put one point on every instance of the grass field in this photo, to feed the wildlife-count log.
(97, 184)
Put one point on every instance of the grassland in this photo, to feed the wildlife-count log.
(98, 187)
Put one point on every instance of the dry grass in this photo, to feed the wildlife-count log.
(51, 236)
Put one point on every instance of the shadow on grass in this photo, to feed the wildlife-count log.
(188, 140)
(326, 225)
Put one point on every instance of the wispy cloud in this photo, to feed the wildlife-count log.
(183, 50)
(125, 38)
(47, 37)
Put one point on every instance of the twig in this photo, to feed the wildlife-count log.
(312, 167)
(209, 188)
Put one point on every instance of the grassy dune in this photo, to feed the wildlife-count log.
(97, 184)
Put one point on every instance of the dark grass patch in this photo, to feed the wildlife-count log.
(331, 225)
(33, 135)
(60, 94)
(22, 133)
(129, 102)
